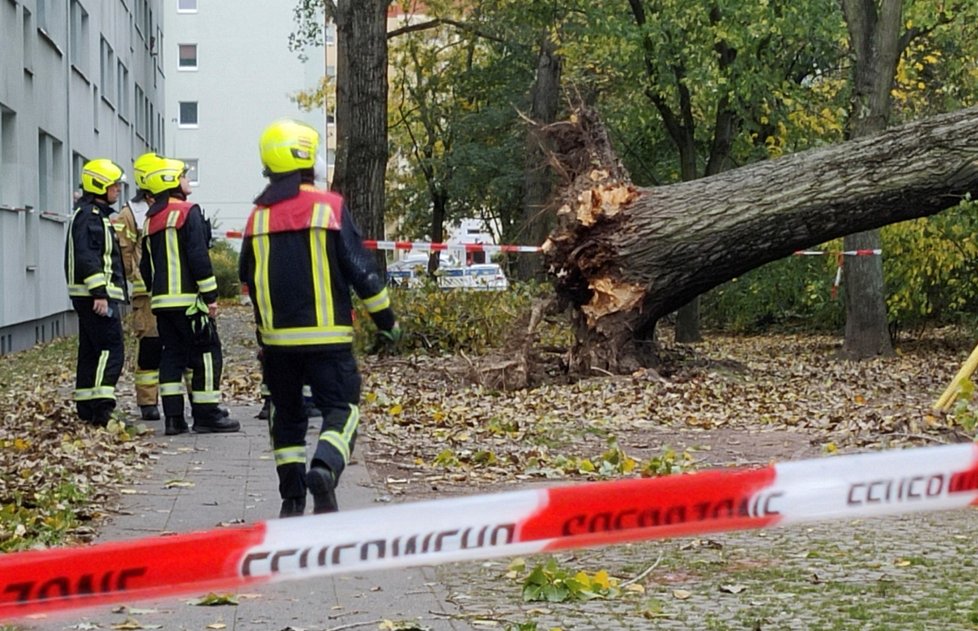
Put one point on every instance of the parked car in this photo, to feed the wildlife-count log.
(409, 271)
(487, 277)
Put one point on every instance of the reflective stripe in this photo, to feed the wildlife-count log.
(100, 392)
(205, 396)
(209, 385)
(95, 280)
(147, 377)
(139, 287)
(290, 455)
(306, 391)
(172, 254)
(103, 359)
(78, 291)
(341, 441)
(378, 302)
(208, 284)
(116, 293)
(172, 300)
(172, 389)
(301, 336)
(260, 247)
(323, 295)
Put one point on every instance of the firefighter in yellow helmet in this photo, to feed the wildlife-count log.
(300, 257)
(128, 225)
(176, 268)
(96, 286)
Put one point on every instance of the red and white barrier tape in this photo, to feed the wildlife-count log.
(485, 526)
(876, 252)
(427, 246)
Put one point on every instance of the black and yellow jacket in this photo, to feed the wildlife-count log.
(300, 257)
(93, 260)
(175, 264)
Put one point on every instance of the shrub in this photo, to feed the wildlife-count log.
(224, 259)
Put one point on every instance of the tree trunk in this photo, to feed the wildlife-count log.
(539, 180)
(875, 38)
(626, 256)
(361, 112)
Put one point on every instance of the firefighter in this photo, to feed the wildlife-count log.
(300, 257)
(128, 225)
(97, 287)
(177, 270)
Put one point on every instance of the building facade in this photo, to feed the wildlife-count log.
(229, 74)
(79, 79)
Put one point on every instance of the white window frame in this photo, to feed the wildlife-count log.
(180, 65)
(180, 122)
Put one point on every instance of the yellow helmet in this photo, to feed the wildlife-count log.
(140, 166)
(99, 174)
(287, 145)
(162, 174)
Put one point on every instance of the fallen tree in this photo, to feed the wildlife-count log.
(624, 256)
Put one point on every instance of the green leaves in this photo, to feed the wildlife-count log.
(551, 583)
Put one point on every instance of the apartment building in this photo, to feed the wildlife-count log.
(229, 74)
(79, 79)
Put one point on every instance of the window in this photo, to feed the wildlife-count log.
(106, 69)
(123, 94)
(51, 19)
(186, 6)
(188, 57)
(77, 162)
(79, 36)
(8, 157)
(188, 114)
(50, 179)
(192, 164)
(28, 42)
(330, 70)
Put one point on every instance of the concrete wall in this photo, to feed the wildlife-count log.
(243, 79)
(79, 79)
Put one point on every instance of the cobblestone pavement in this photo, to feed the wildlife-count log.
(912, 572)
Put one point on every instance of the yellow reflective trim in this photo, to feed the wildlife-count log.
(378, 302)
(172, 300)
(322, 296)
(205, 396)
(103, 359)
(208, 284)
(352, 422)
(290, 455)
(172, 389)
(174, 275)
(260, 247)
(95, 280)
(147, 377)
(334, 439)
(209, 385)
(107, 239)
(100, 392)
(307, 336)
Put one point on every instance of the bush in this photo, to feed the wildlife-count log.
(224, 259)
(440, 321)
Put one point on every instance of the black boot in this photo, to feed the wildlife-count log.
(322, 485)
(292, 507)
(265, 410)
(174, 425)
(149, 412)
(219, 425)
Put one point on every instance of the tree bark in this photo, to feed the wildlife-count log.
(361, 112)
(626, 256)
(875, 38)
(539, 178)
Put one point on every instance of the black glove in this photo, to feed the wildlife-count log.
(385, 342)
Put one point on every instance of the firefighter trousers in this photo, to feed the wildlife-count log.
(101, 353)
(148, 353)
(183, 351)
(335, 383)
